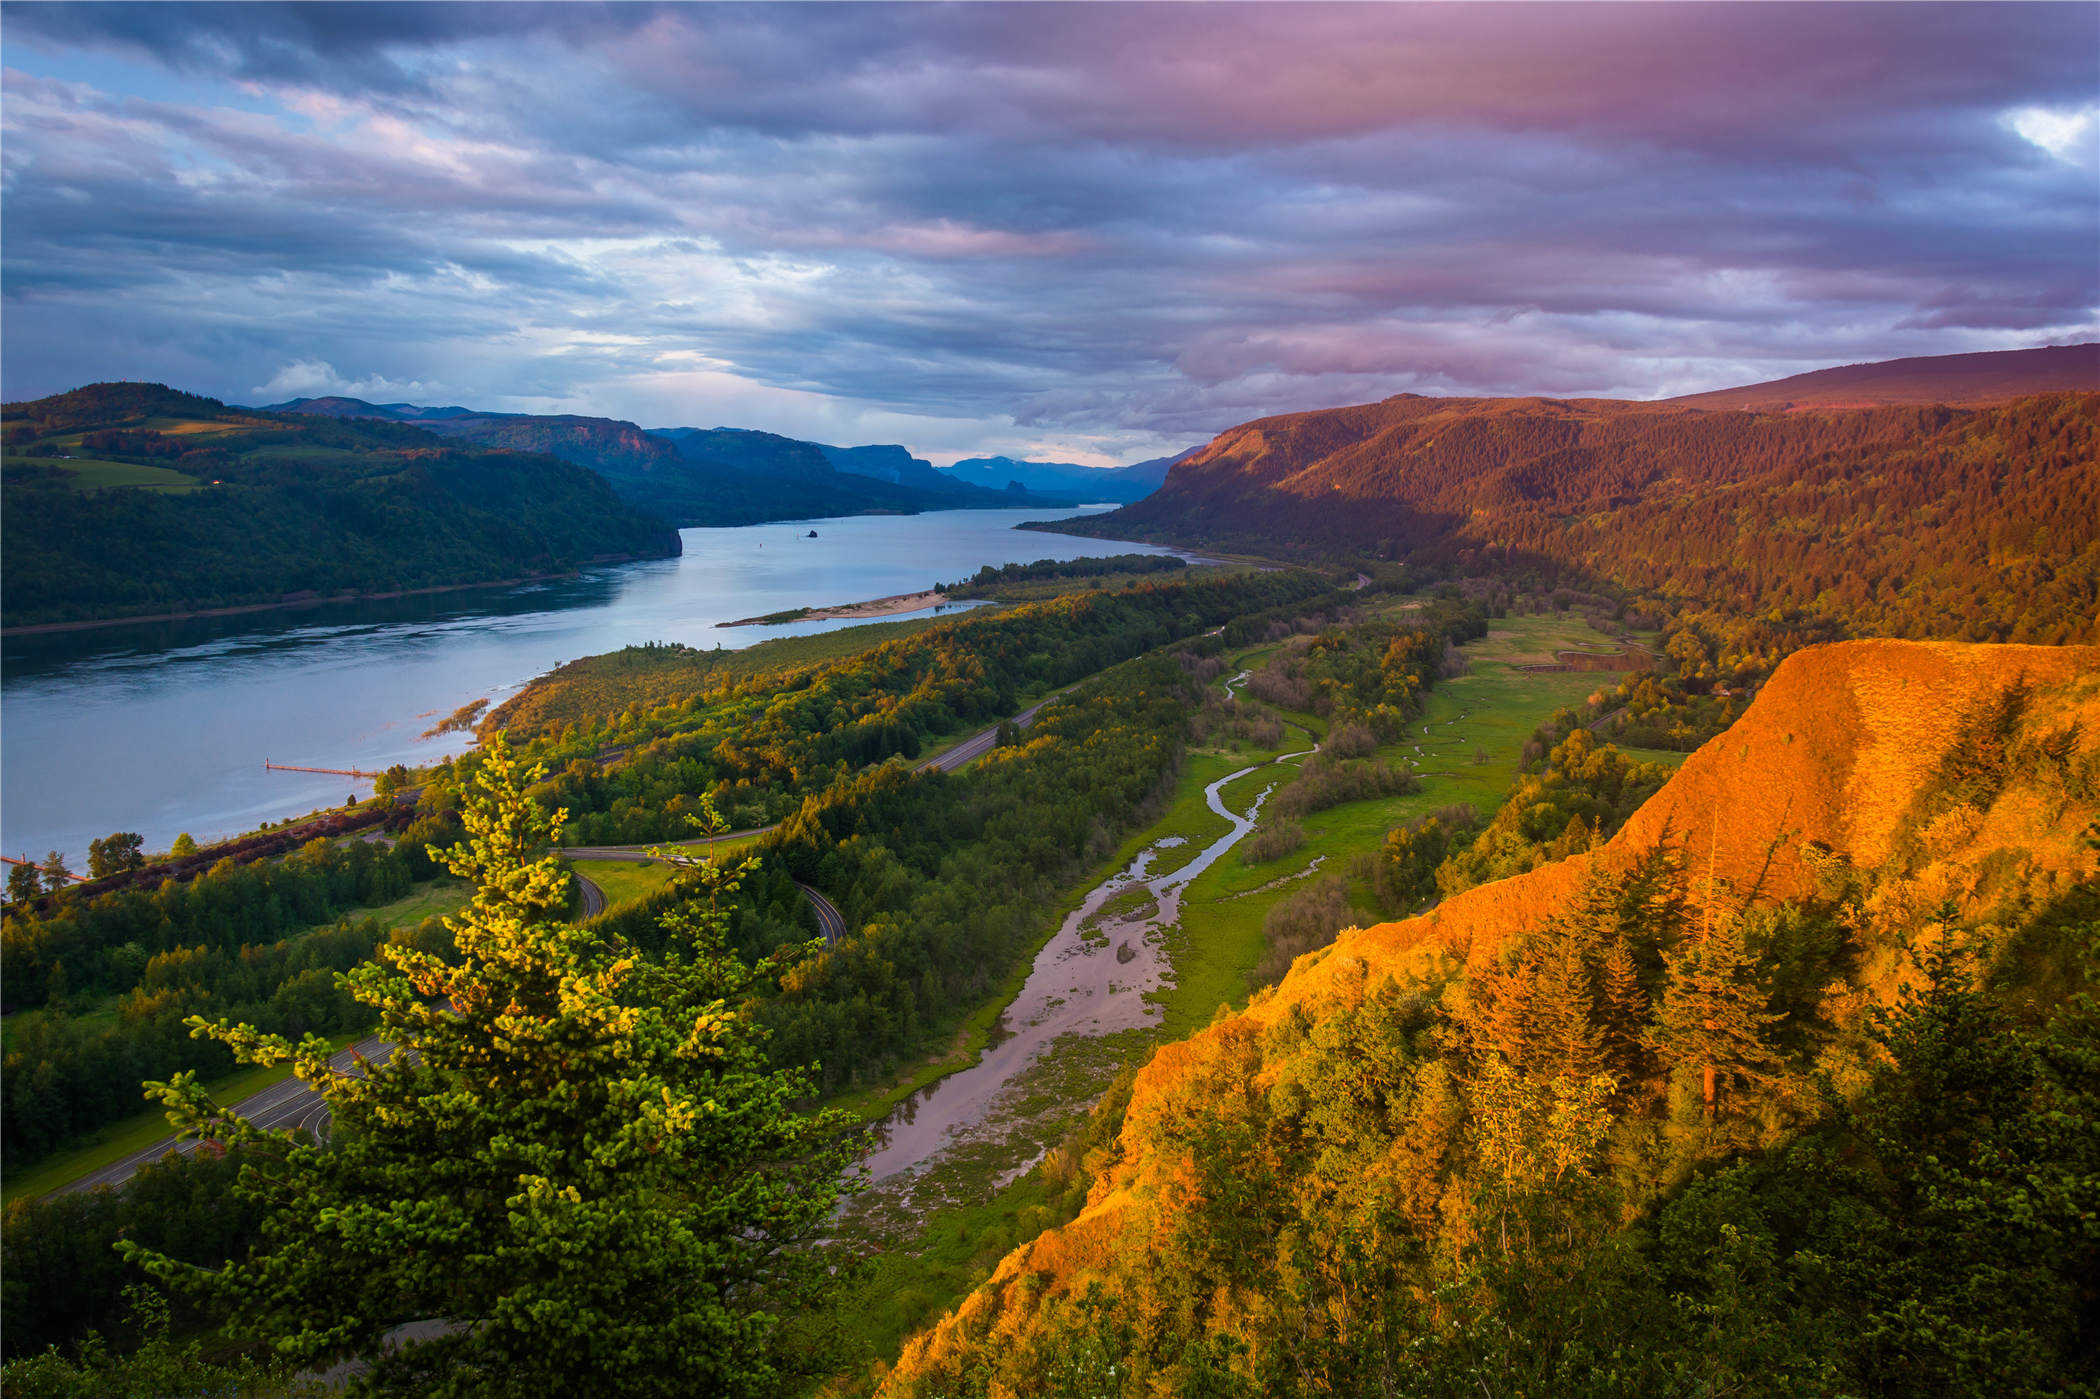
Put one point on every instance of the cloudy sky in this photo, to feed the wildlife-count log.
(1090, 232)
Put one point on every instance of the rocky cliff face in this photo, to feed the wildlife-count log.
(1934, 774)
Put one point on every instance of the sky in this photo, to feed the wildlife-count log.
(1087, 233)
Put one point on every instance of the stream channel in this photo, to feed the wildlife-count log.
(1078, 986)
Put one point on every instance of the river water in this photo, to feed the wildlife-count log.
(163, 728)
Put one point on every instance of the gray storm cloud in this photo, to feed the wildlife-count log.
(1119, 228)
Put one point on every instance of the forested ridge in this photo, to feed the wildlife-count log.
(1790, 1088)
(943, 877)
(757, 744)
(111, 976)
(1982, 524)
(242, 508)
(700, 476)
(1776, 1077)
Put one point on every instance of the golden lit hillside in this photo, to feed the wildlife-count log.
(1929, 782)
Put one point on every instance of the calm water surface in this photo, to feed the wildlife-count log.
(163, 728)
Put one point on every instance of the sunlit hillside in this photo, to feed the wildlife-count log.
(1915, 521)
(1326, 1186)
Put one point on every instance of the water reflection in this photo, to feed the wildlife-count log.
(163, 727)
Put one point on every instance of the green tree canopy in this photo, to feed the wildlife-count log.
(575, 1170)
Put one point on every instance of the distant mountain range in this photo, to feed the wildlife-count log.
(721, 476)
(1861, 493)
(1090, 483)
(137, 500)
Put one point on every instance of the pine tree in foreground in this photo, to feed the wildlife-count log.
(575, 1175)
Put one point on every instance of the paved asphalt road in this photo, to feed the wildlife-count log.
(292, 1104)
(828, 917)
(285, 1106)
(982, 742)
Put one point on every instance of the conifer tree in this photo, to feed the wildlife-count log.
(575, 1170)
(1651, 905)
(1624, 1010)
(1564, 1038)
(1712, 1012)
(1498, 1019)
(1574, 839)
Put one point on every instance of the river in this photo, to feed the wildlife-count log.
(163, 728)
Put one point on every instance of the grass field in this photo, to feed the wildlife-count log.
(1492, 709)
(624, 881)
(192, 427)
(91, 474)
(435, 899)
(1217, 944)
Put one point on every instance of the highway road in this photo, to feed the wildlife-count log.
(829, 919)
(982, 742)
(286, 1106)
(292, 1105)
(963, 753)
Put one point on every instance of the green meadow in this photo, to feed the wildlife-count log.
(1487, 713)
(92, 474)
(626, 881)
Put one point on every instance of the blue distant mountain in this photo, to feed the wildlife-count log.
(709, 476)
(1121, 484)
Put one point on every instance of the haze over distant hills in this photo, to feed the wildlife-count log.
(707, 476)
(1118, 483)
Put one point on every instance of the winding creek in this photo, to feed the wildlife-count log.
(1080, 984)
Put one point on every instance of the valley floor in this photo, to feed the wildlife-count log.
(935, 1231)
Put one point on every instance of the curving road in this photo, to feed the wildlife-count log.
(288, 1106)
(829, 919)
(292, 1106)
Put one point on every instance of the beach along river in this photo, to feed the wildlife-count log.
(163, 728)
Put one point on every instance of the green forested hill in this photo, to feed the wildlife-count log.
(1980, 524)
(702, 476)
(134, 499)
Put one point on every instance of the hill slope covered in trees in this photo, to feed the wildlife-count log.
(1786, 1089)
(1966, 381)
(703, 476)
(1981, 524)
(134, 499)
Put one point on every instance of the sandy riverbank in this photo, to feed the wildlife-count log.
(849, 612)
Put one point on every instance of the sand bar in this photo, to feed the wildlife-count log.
(849, 612)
